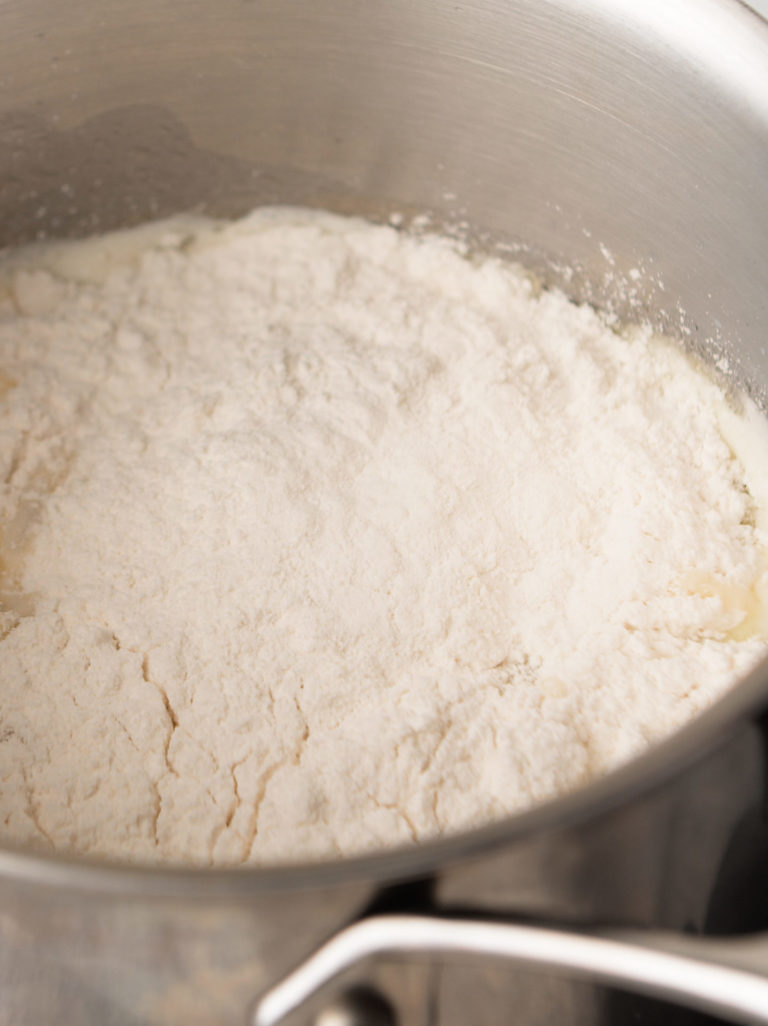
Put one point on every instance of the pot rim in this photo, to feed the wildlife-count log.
(640, 776)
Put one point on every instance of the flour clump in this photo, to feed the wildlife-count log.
(318, 537)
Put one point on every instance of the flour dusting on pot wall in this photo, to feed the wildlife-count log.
(318, 538)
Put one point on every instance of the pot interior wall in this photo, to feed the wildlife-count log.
(621, 149)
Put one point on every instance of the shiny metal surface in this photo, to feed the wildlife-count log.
(357, 1007)
(572, 129)
(695, 971)
(619, 148)
(759, 6)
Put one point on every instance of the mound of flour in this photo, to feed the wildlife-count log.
(319, 538)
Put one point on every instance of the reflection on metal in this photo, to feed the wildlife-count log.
(357, 1006)
(635, 961)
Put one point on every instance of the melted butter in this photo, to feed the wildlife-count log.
(747, 606)
(93, 259)
(6, 384)
(745, 432)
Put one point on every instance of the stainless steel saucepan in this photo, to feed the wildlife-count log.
(619, 148)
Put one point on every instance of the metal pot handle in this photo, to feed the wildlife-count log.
(727, 977)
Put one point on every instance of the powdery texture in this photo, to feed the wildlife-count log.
(319, 538)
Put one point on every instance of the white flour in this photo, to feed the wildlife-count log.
(319, 538)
